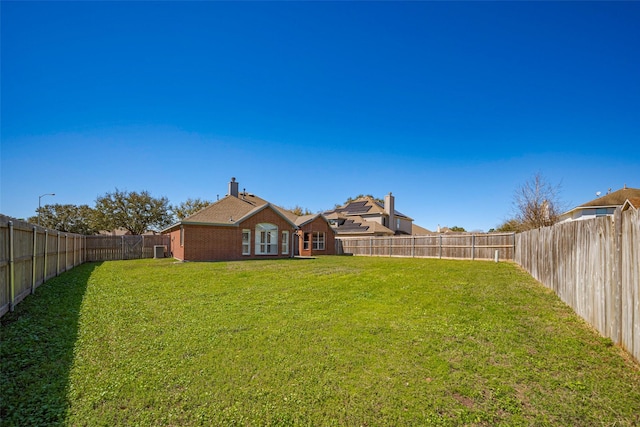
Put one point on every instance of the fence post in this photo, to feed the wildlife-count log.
(123, 247)
(370, 246)
(440, 247)
(12, 279)
(473, 247)
(413, 247)
(46, 249)
(390, 246)
(33, 261)
(58, 255)
(617, 328)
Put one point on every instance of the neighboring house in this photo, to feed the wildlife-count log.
(633, 202)
(602, 206)
(416, 230)
(366, 217)
(244, 226)
(124, 232)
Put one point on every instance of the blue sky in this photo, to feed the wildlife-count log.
(449, 105)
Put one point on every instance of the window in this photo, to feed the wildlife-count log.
(181, 236)
(285, 242)
(318, 241)
(266, 239)
(398, 224)
(601, 211)
(306, 241)
(246, 242)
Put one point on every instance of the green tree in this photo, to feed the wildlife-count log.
(457, 229)
(189, 207)
(298, 210)
(68, 218)
(136, 212)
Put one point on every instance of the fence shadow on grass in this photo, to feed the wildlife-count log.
(37, 348)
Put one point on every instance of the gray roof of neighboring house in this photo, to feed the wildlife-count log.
(416, 230)
(363, 206)
(358, 225)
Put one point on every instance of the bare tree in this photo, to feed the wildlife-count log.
(537, 203)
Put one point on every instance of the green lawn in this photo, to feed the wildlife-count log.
(345, 341)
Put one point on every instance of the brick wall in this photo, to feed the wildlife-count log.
(320, 225)
(224, 243)
(177, 251)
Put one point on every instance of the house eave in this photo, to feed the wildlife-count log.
(580, 208)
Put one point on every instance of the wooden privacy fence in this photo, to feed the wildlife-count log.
(460, 246)
(108, 248)
(30, 255)
(594, 267)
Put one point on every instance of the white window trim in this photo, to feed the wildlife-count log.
(319, 244)
(270, 233)
(246, 247)
(285, 242)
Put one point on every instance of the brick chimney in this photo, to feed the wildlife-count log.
(389, 208)
(233, 187)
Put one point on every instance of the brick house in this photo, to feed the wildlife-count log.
(244, 226)
(315, 236)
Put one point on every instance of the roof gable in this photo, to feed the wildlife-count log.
(306, 219)
(258, 209)
(232, 210)
(225, 211)
(633, 202)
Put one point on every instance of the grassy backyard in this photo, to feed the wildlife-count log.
(345, 341)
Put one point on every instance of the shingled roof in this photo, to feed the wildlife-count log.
(232, 210)
(362, 206)
(617, 198)
(358, 225)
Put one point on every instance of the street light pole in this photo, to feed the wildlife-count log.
(39, 198)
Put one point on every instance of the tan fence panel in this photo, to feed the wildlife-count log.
(29, 255)
(109, 248)
(458, 246)
(592, 265)
(630, 278)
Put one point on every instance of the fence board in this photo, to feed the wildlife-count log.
(109, 248)
(593, 266)
(25, 252)
(461, 246)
